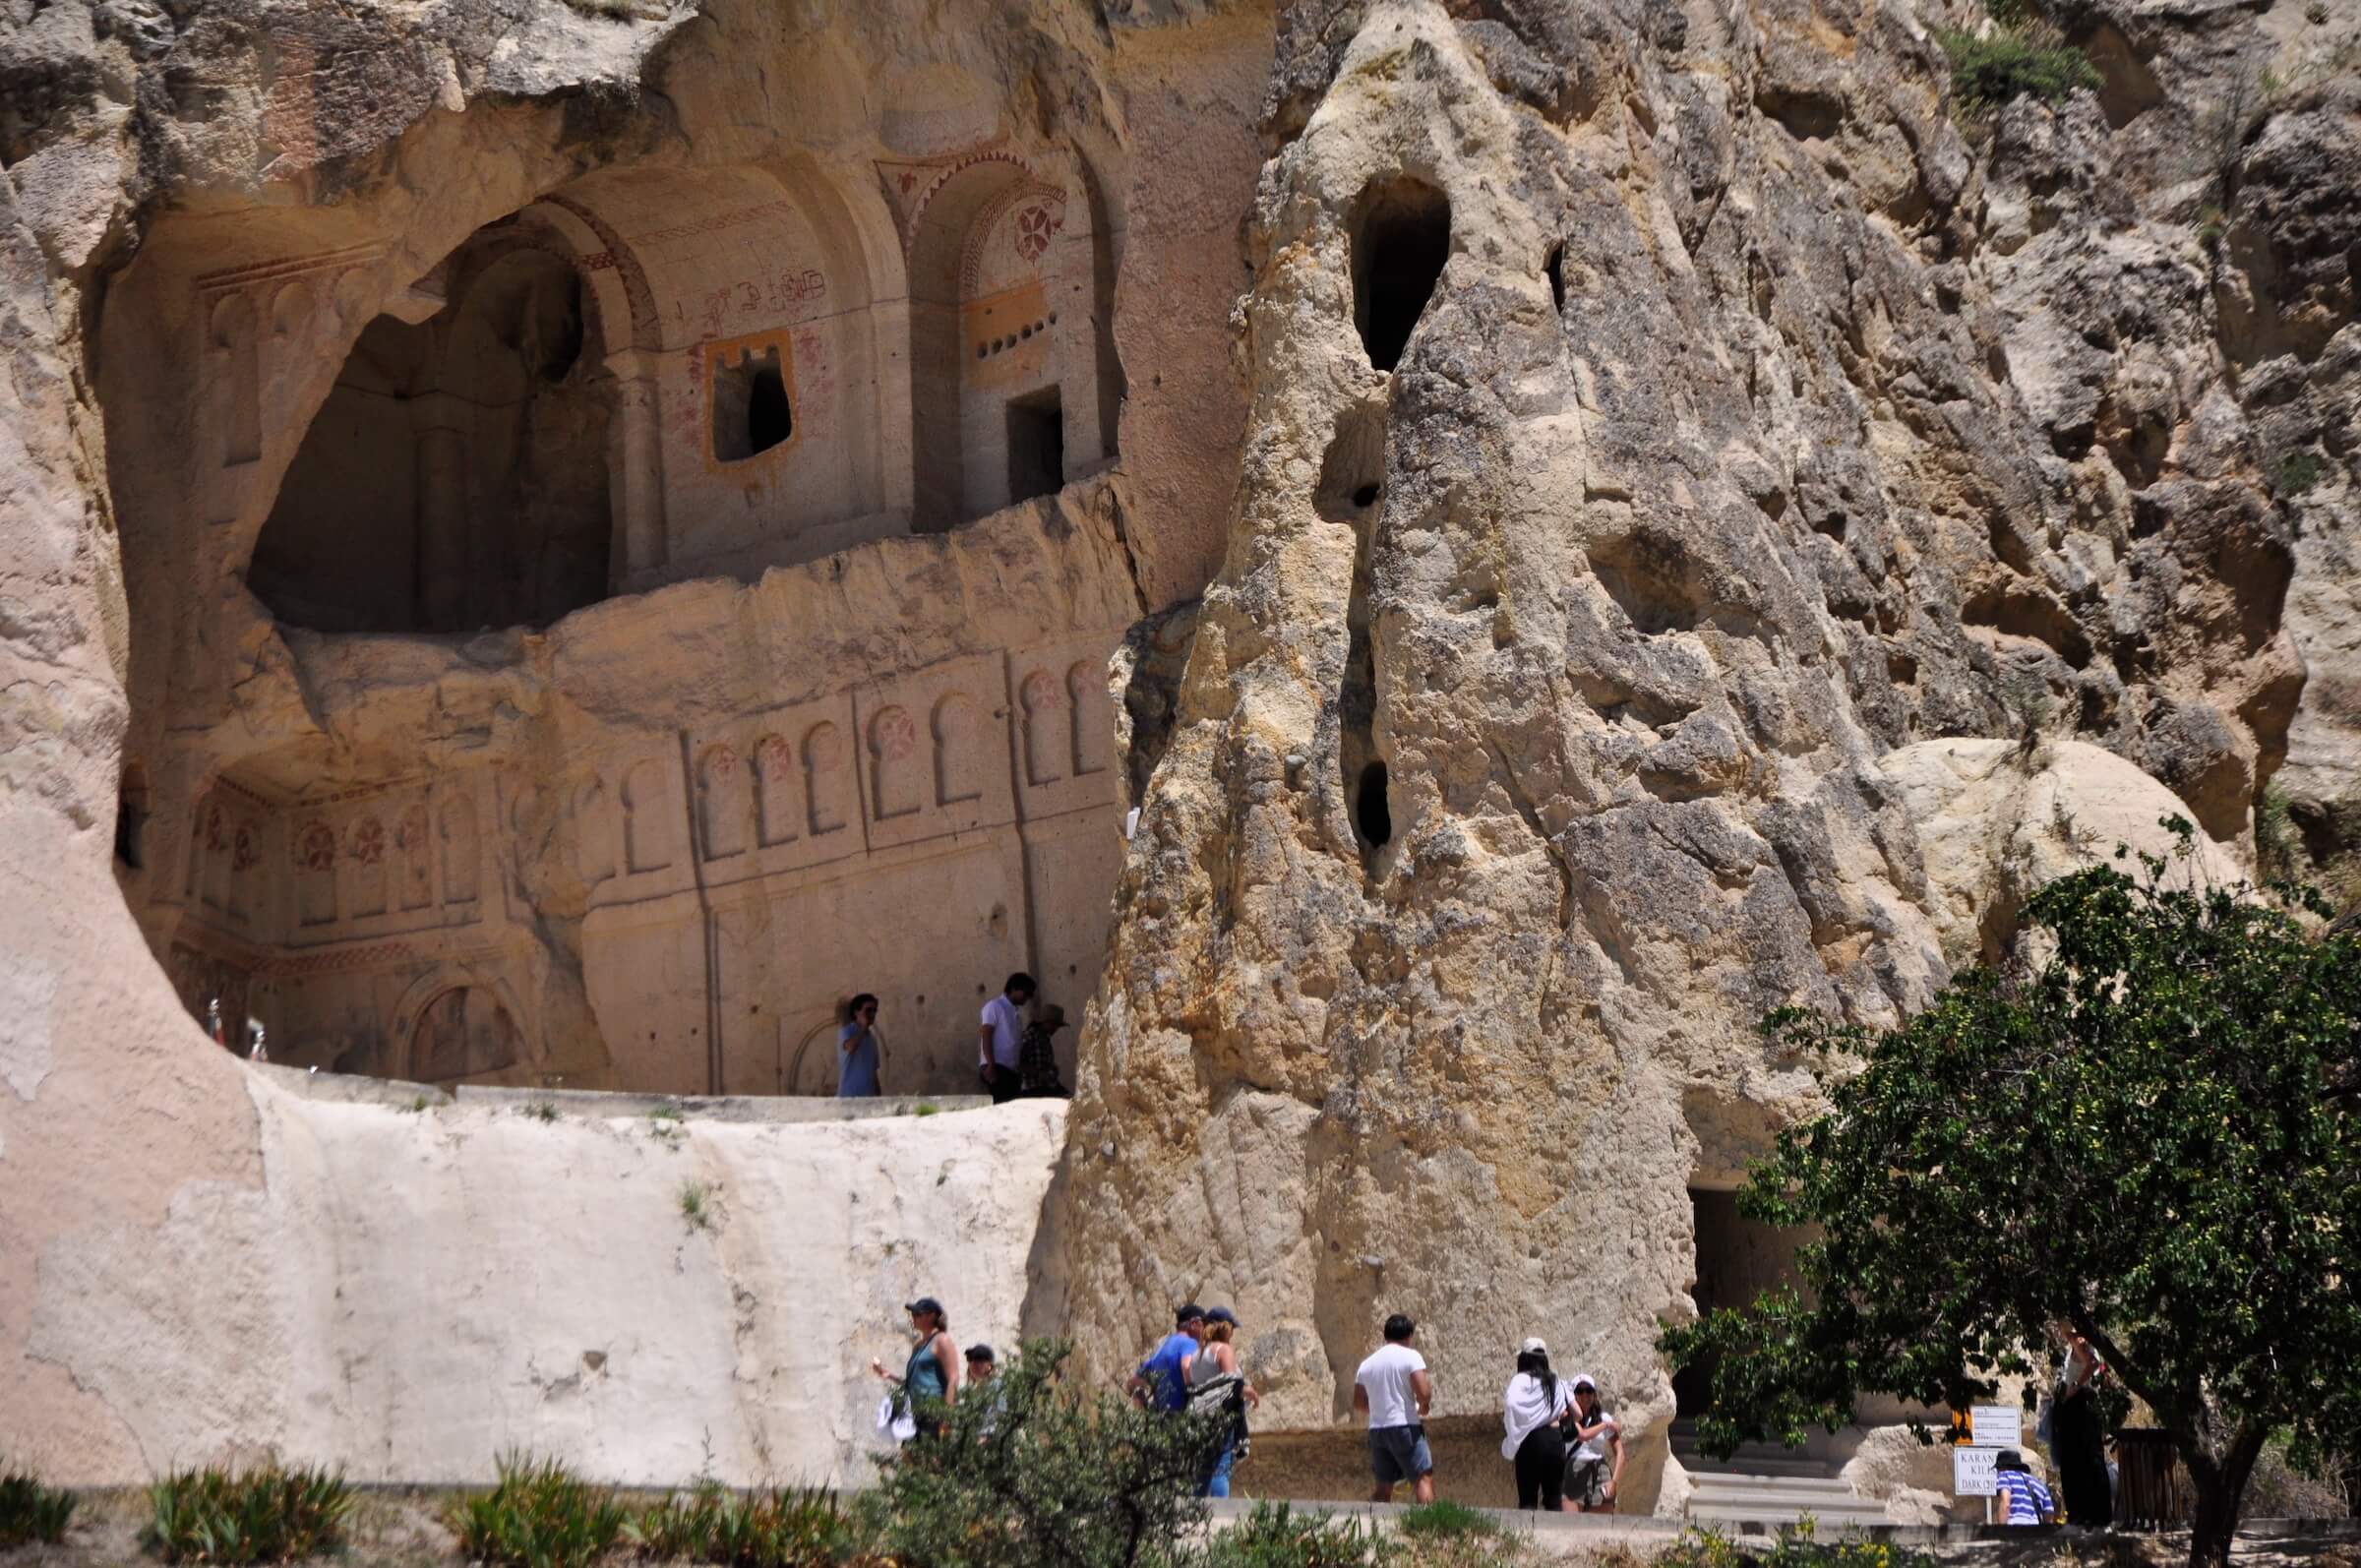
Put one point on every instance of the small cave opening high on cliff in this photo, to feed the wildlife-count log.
(1401, 239)
(456, 475)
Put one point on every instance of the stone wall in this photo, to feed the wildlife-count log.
(495, 1308)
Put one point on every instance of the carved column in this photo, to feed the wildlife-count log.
(440, 449)
(635, 464)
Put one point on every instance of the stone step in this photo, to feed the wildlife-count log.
(1736, 1519)
(1782, 1485)
(1797, 1465)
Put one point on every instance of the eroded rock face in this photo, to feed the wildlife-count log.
(1684, 487)
(1756, 425)
(350, 351)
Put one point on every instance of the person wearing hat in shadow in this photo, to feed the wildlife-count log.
(1037, 1057)
(1535, 1400)
(930, 1382)
(1591, 1477)
(2023, 1499)
(982, 1367)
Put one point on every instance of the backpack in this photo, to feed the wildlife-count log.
(1223, 1393)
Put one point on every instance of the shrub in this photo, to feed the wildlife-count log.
(1028, 1474)
(1442, 1520)
(538, 1515)
(266, 1514)
(783, 1528)
(1275, 1536)
(2277, 842)
(2297, 472)
(1796, 1549)
(2011, 63)
(681, 1528)
(30, 1511)
(697, 1204)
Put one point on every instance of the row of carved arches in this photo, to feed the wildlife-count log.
(651, 373)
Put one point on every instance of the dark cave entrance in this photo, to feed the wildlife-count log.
(1401, 239)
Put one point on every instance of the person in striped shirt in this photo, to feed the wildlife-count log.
(2029, 1501)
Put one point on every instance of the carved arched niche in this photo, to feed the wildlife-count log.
(1004, 360)
(456, 475)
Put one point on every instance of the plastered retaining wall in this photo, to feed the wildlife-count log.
(410, 1292)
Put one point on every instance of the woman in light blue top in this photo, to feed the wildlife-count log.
(858, 1049)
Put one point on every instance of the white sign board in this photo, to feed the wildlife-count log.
(1996, 1427)
(1971, 1472)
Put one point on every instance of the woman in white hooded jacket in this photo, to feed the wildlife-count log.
(1531, 1407)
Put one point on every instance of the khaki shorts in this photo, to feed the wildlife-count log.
(1586, 1482)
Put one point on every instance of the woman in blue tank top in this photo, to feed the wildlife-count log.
(930, 1380)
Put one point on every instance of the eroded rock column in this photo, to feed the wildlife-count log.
(1514, 778)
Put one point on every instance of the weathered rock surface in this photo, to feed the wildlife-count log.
(1769, 468)
(1757, 425)
(1996, 822)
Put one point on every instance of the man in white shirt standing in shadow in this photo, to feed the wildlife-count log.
(1000, 1033)
(1392, 1389)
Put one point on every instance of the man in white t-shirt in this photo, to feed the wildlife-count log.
(1000, 1035)
(1392, 1389)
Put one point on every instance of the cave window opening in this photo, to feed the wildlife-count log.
(750, 410)
(455, 478)
(130, 817)
(1036, 445)
(1555, 268)
(1401, 239)
(1365, 497)
(1372, 818)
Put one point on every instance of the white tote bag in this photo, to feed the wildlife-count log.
(898, 1425)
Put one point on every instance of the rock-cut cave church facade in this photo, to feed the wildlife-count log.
(685, 604)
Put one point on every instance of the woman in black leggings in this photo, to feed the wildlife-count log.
(1531, 1408)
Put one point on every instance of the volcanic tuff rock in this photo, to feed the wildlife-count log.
(1759, 423)
(1565, 695)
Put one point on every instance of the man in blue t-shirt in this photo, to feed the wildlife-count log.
(1162, 1380)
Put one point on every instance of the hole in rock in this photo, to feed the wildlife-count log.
(1372, 818)
(1555, 268)
(751, 411)
(1401, 239)
(131, 816)
(1353, 469)
(1036, 445)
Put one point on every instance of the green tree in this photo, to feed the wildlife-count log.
(1028, 1472)
(2150, 1136)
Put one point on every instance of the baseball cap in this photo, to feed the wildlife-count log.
(1190, 1313)
(1586, 1380)
(1221, 1314)
(980, 1352)
(1533, 1345)
(924, 1304)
